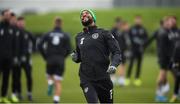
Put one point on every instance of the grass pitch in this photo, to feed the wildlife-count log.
(72, 92)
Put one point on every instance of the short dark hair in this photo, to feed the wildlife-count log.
(13, 14)
(4, 11)
(58, 20)
(20, 18)
(118, 19)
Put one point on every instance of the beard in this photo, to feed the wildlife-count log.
(87, 23)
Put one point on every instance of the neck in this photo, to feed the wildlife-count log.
(21, 27)
(57, 28)
(89, 28)
(91, 25)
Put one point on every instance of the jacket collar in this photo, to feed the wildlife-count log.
(57, 29)
(89, 29)
(137, 25)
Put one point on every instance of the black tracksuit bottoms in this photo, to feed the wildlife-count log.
(5, 67)
(136, 56)
(101, 90)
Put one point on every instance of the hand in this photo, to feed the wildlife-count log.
(111, 70)
(74, 56)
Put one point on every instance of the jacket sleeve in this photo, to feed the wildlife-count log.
(145, 36)
(150, 40)
(130, 36)
(113, 48)
(22, 44)
(16, 44)
(33, 40)
(77, 51)
(124, 40)
(68, 45)
(41, 46)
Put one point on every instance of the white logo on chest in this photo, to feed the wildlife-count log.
(17, 33)
(10, 31)
(2, 32)
(173, 35)
(55, 40)
(95, 35)
(86, 89)
(26, 36)
(56, 37)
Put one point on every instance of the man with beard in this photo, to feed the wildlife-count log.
(7, 53)
(93, 48)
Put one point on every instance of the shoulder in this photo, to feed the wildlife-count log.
(48, 33)
(103, 31)
(179, 30)
(28, 32)
(45, 35)
(67, 35)
(80, 34)
(144, 28)
(132, 27)
(161, 31)
(106, 33)
(156, 32)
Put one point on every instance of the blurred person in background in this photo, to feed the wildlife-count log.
(138, 36)
(0, 18)
(16, 62)
(124, 44)
(26, 47)
(175, 38)
(119, 31)
(54, 47)
(115, 32)
(93, 48)
(7, 53)
(176, 70)
(164, 53)
(167, 45)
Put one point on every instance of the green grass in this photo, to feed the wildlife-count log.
(105, 18)
(72, 92)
